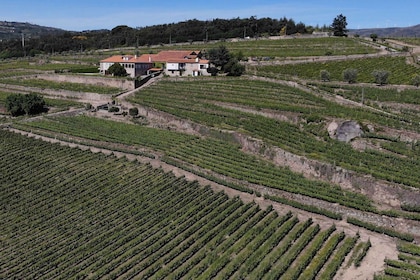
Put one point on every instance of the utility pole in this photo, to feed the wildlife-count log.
(363, 95)
(23, 45)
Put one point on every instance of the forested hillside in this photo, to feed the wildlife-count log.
(124, 36)
(14, 30)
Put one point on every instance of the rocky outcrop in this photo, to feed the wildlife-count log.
(345, 131)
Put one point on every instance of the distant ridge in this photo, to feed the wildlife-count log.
(14, 30)
(412, 31)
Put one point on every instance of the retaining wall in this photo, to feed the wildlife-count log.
(123, 84)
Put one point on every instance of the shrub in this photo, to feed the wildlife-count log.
(133, 111)
(416, 80)
(350, 75)
(117, 69)
(20, 104)
(213, 71)
(381, 77)
(113, 109)
(325, 75)
(234, 68)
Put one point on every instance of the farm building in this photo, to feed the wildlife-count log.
(173, 63)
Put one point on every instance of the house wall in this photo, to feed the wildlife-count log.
(190, 69)
(133, 69)
(104, 66)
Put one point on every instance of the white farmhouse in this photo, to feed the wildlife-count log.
(172, 63)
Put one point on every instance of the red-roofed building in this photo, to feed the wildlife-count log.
(134, 65)
(173, 63)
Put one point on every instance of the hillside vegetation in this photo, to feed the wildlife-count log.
(216, 177)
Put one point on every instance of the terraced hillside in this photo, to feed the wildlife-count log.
(87, 215)
(296, 203)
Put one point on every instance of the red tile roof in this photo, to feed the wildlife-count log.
(163, 56)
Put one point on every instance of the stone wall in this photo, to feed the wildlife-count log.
(123, 84)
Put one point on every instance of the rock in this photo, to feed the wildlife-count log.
(347, 131)
(332, 128)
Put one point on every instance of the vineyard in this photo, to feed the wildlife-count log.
(400, 72)
(216, 177)
(95, 216)
(201, 107)
(221, 157)
(293, 47)
(39, 83)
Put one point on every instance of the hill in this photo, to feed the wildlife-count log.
(129, 199)
(14, 30)
(412, 31)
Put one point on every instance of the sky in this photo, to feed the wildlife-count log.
(79, 15)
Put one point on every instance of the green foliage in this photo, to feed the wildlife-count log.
(374, 37)
(381, 76)
(200, 107)
(213, 71)
(379, 229)
(416, 80)
(400, 71)
(406, 267)
(219, 56)
(364, 246)
(134, 111)
(216, 155)
(234, 68)
(20, 104)
(122, 35)
(339, 26)
(40, 83)
(325, 75)
(117, 70)
(113, 109)
(350, 75)
(334, 264)
(84, 213)
(309, 208)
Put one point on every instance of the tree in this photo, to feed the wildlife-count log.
(117, 69)
(33, 104)
(20, 104)
(325, 75)
(213, 71)
(234, 68)
(219, 56)
(381, 76)
(339, 26)
(14, 104)
(374, 37)
(416, 80)
(350, 75)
